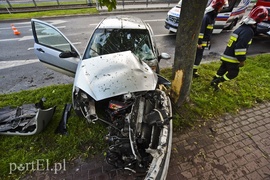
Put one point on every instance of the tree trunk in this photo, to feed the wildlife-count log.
(190, 21)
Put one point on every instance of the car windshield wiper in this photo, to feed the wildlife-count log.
(149, 59)
(94, 51)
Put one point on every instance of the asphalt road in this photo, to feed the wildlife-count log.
(20, 69)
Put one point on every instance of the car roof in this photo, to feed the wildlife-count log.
(122, 22)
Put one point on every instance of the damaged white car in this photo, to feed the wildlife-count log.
(116, 83)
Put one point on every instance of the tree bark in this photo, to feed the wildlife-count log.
(191, 15)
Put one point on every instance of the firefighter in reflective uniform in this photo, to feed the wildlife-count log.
(234, 55)
(205, 34)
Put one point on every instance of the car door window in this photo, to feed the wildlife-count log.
(143, 48)
(49, 37)
(54, 49)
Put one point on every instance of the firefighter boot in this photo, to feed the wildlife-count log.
(214, 77)
(215, 83)
(195, 73)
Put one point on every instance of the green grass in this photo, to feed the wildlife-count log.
(85, 140)
(249, 88)
(39, 4)
(50, 13)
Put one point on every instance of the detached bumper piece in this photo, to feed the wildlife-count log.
(62, 127)
(29, 119)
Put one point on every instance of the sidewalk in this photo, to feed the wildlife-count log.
(233, 147)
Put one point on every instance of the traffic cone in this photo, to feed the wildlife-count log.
(15, 30)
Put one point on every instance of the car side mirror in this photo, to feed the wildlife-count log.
(68, 54)
(164, 56)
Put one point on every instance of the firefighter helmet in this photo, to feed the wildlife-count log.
(258, 14)
(218, 4)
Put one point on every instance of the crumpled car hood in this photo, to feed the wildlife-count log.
(114, 74)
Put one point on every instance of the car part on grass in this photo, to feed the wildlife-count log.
(28, 119)
(62, 127)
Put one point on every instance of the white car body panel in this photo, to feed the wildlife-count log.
(102, 72)
(125, 22)
(49, 54)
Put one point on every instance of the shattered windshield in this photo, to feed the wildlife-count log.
(106, 41)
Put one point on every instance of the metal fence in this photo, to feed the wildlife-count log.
(36, 5)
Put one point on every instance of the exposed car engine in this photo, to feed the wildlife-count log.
(136, 121)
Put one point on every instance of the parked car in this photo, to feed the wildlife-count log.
(229, 16)
(264, 27)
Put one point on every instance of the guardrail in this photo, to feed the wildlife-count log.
(16, 6)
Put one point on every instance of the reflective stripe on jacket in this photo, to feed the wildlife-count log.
(238, 44)
(206, 29)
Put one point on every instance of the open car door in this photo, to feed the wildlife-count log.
(54, 49)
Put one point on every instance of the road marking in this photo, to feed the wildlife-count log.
(13, 39)
(154, 20)
(22, 23)
(18, 27)
(93, 24)
(24, 38)
(27, 24)
(55, 22)
(159, 35)
(60, 27)
(9, 64)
